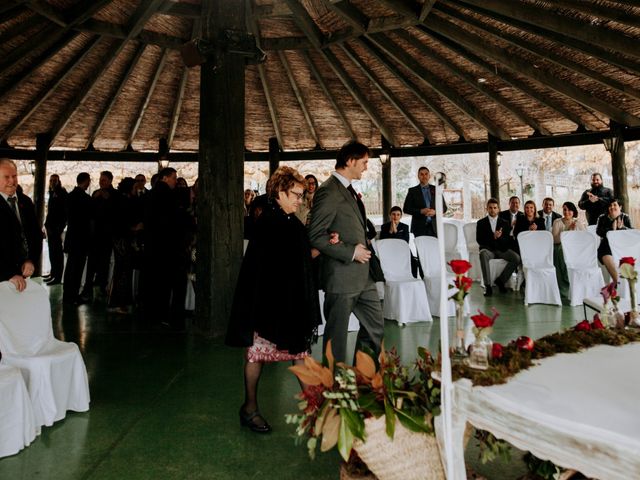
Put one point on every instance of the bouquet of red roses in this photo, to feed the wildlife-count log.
(462, 283)
(483, 323)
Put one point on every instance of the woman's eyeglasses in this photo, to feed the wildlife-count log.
(298, 195)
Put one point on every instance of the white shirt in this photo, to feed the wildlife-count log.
(493, 221)
(6, 197)
(343, 180)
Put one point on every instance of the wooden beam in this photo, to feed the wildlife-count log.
(147, 99)
(523, 67)
(20, 28)
(16, 80)
(299, 97)
(545, 53)
(84, 10)
(273, 112)
(598, 10)
(49, 89)
(185, 10)
(47, 36)
(426, 9)
(399, 54)
(286, 43)
(565, 25)
(119, 31)
(274, 155)
(357, 94)
(494, 176)
(508, 78)
(143, 13)
(114, 96)
(472, 81)
(47, 11)
(603, 54)
(306, 23)
(327, 93)
(12, 12)
(349, 13)
(405, 8)
(404, 79)
(387, 93)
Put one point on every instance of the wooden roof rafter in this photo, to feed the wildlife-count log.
(358, 21)
(597, 11)
(20, 28)
(475, 44)
(306, 23)
(404, 8)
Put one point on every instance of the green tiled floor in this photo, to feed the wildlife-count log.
(164, 406)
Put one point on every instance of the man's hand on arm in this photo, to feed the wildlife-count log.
(361, 254)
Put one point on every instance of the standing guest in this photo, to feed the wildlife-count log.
(420, 203)
(613, 220)
(492, 235)
(54, 225)
(77, 239)
(595, 201)
(141, 185)
(275, 311)
(310, 187)
(249, 197)
(255, 210)
(529, 221)
(395, 228)
(21, 239)
(568, 222)
(103, 208)
(338, 229)
(547, 214)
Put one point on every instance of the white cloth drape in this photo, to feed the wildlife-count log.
(17, 424)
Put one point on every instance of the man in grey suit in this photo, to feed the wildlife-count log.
(344, 266)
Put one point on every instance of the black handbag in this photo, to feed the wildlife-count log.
(375, 269)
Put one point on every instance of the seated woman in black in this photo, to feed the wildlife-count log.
(394, 228)
(614, 220)
(529, 221)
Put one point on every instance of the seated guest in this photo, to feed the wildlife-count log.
(529, 221)
(492, 235)
(395, 228)
(249, 197)
(567, 222)
(614, 220)
(547, 214)
(511, 215)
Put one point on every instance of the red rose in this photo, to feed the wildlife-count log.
(459, 267)
(463, 283)
(583, 326)
(597, 323)
(496, 351)
(630, 260)
(524, 343)
(481, 320)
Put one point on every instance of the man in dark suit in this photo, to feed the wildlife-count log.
(344, 265)
(420, 203)
(511, 215)
(54, 224)
(547, 214)
(395, 228)
(492, 235)
(21, 238)
(76, 242)
(596, 200)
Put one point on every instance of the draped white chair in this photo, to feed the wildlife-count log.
(473, 251)
(405, 298)
(625, 243)
(429, 256)
(580, 256)
(17, 424)
(53, 371)
(536, 252)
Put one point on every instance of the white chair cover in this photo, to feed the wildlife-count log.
(354, 324)
(405, 298)
(580, 256)
(452, 248)
(625, 243)
(17, 424)
(54, 371)
(473, 251)
(536, 252)
(430, 262)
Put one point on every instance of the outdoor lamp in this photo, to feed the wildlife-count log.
(32, 167)
(384, 157)
(611, 144)
(163, 163)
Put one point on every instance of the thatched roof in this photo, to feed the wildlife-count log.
(109, 74)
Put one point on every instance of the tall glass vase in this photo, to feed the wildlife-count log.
(460, 354)
(633, 315)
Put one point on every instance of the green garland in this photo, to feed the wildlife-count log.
(514, 360)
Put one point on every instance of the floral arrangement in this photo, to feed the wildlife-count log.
(338, 398)
(462, 284)
(483, 323)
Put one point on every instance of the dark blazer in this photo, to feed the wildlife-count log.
(506, 215)
(57, 210)
(402, 234)
(12, 254)
(554, 216)
(79, 210)
(594, 210)
(485, 238)
(413, 203)
(522, 224)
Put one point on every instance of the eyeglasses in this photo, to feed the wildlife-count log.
(298, 195)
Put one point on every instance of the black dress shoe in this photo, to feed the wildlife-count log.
(488, 291)
(501, 286)
(254, 421)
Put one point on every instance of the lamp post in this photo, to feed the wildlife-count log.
(520, 173)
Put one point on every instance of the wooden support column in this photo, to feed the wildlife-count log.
(43, 141)
(386, 182)
(220, 169)
(494, 177)
(618, 166)
(274, 155)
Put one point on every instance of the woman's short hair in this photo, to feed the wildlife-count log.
(352, 150)
(308, 177)
(531, 202)
(395, 209)
(571, 206)
(282, 180)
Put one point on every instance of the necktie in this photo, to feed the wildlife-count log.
(358, 201)
(24, 245)
(548, 223)
(14, 207)
(426, 194)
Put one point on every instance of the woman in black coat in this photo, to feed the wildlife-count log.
(614, 220)
(276, 310)
(529, 221)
